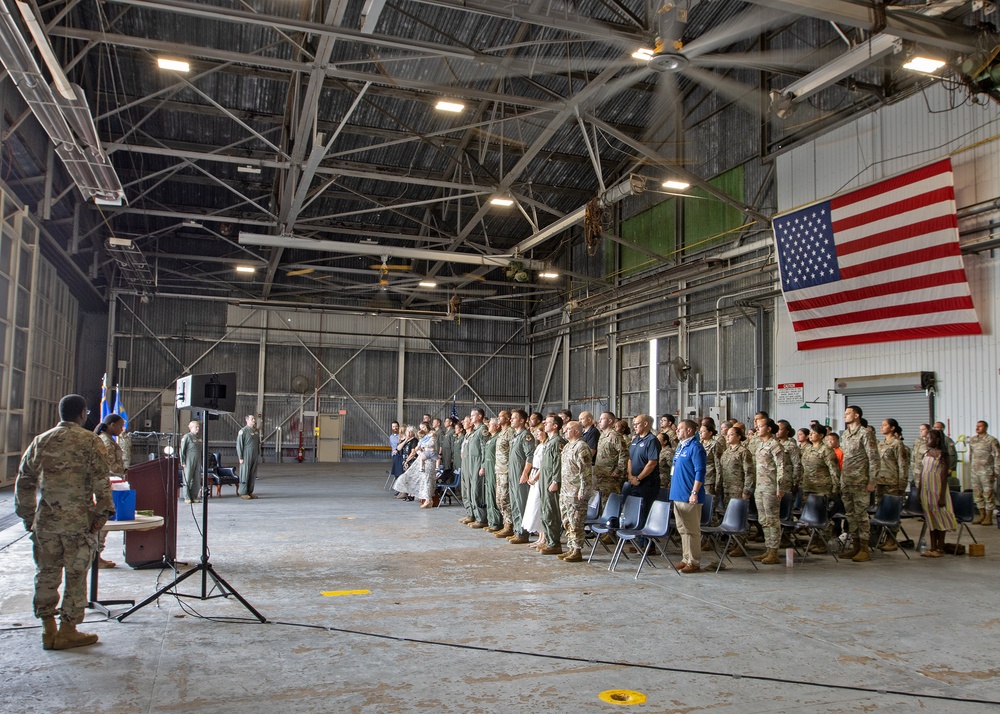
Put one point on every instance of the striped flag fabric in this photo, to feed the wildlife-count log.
(120, 406)
(105, 406)
(877, 264)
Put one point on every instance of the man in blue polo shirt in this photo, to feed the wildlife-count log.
(687, 494)
(643, 466)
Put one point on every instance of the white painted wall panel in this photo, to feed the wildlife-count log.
(914, 132)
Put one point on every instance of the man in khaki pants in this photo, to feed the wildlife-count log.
(687, 494)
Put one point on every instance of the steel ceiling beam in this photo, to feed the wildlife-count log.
(900, 22)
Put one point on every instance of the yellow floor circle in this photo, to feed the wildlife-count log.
(622, 696)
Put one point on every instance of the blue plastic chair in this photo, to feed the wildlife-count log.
(887, 517)
(735, 523)
(965, 512)
(601, 525)
(815, 517)
(657, 526)
(451, 488)
(629, 518)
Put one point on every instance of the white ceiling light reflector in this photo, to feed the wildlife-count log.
(427, 284)
(447, 106)
(926, 65)
(173, 65)
(245, 269)
(502, 201)
(676, 185)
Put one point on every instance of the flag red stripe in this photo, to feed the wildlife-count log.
(916, 333)
(933, 280)
(912, 203)
(935, 252)
(877, 189)
(885, 313)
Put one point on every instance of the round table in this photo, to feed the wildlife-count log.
(139, 523)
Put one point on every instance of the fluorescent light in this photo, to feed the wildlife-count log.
(427, 284)
(123, 242)
(676, 185)
(248, 169)
(643, 53)
(502, 201)
(446, 106)
(191, 224)
(548, 274)
(926, 65)
(173, 65)
(245, 269)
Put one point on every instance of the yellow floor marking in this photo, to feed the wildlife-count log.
(335, 593)
(622, 696)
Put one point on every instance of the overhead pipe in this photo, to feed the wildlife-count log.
(376, 249)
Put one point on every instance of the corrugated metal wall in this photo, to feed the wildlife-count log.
(474, 362)
(921, 129)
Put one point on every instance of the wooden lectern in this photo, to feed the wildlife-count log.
(155, 484)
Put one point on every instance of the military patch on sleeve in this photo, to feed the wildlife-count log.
(528, 438)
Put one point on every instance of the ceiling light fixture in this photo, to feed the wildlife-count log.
(173, 65)
(927, 65)
(548, 274)
(245, 269)
(427, 284)
(643, 54)
(191, 224)
(502, 201)
(120, 242)
(446, 106)
(676, 185)
(248, 169)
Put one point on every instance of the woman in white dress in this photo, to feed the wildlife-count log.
(408, 482)
(428, 460)
(532, 521)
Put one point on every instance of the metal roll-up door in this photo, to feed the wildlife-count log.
(910, 409)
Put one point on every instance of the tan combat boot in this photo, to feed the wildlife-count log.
(763, 555)
(574, 556)
(818, 548)
(988, 518)
(770, 557)
(68, 637)
(855, 549)
(49, 630)
(863, 555)
(505, 532)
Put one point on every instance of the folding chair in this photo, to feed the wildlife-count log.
(657, 526)
(734, 524)
(912, 509)
(886, 518)
(815, 517)
(965, 512)
(786, 518)
(629, 518)
(599, 526)
(450, 489)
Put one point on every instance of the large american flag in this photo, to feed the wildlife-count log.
(877, 264)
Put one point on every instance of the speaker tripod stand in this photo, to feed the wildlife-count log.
(220, 588)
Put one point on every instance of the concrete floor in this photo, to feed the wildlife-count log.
(459, 621)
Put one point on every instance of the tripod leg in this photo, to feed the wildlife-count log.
(158, 593)
(218, 579)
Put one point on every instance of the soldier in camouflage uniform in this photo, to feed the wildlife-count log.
(820, 475)
(786, 438)
(857, 480)
(984, 455)
(66, 465)
(548, 484)
(773, 472)
(949, 445)
(494, 518)
(574, 491)
(446, 443)
(666, 460)
(502, 465)
(893, 469)
(737, 467)
(611, 459)
(917, 453)
(714, 446)
(112, 426)
(475, 444)
(522, 449)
